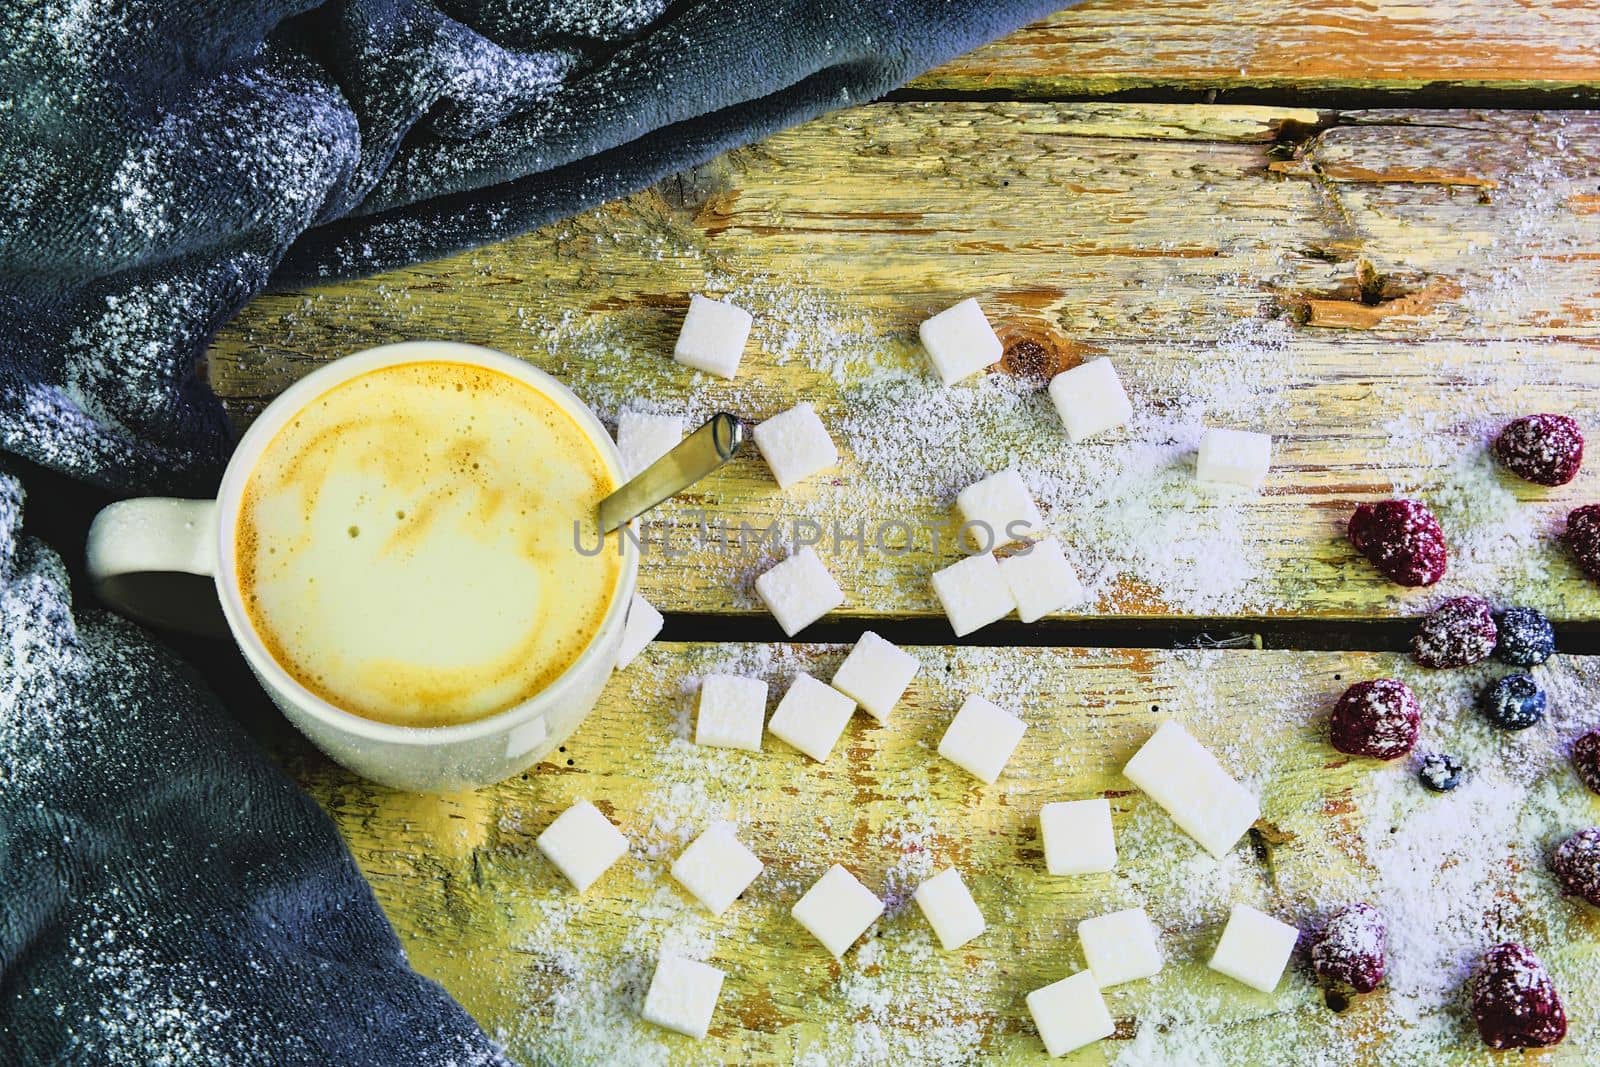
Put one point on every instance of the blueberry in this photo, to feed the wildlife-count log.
(1515, 702)
(1439, 772)
(1526, 638)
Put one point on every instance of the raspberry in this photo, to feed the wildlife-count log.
(1439, 772)
(1583, 538)
(1348, 952)
(1526, 637)
(1460, 631)
(1515, 702)
(1514, 1001)
(1545, 449)
(1586, 759)
(1402, 539)
(1576, 863)
(1377, 718)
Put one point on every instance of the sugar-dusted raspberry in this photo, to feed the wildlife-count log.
(1583, 538)
(1402, 539)
(1379, 719)
(1349, 951)
(1576, 863)
(1526, 637)
(1459, 632)
(1586, 759)
(1545, 449)
(1514, 1001)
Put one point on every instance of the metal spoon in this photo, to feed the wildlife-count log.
(693, 458)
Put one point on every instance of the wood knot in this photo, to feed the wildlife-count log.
(1035, 355)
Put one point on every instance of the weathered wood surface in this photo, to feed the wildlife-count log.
(560, 977)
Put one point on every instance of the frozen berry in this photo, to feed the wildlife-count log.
(1583, 538)
(1546, 449)
(1515, 702)
(1402, 539)
(1586, 759)
(1348, 952)
(1514, 1001)
(1377, 718)
(1439, 772)
(1526, 637)
(1460, 631)
(1576, 863)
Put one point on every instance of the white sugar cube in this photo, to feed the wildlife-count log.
(644, 622)
(1234, 457)
(1177, 772)
(1041, 580)
(974, 593)
(683, 995)
(731, 713)
(811, 716)
(998, 510)
(1077, 836)
(1070, 1014)
(981, 738)
(1254, 949)
(713, 336)
(795, 445)
(1090, 399)
(582, 844)
(716, 868)
(875, 675)
(949, 909)
(643, 439)
(1120, 947)
(960, 342)
(799, 591)
(837, 910)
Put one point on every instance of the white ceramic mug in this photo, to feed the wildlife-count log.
(136, 547)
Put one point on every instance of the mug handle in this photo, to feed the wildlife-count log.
(154, 559)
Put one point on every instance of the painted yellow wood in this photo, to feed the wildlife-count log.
(560, 977)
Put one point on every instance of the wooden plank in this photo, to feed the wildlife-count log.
(560, 977)
(1379, 292)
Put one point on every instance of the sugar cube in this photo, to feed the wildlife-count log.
(949, 909)
(1041, 580)
(811, 716)
(1120, 947)
(731, 713)
(1077, 836)
(644, 622)
(960, 341)
(998, 510)
(683, 995)
(974, 593)
(1070, 1014)
(875, 675)
(716, 868)
(981, 738)
(1254, 948)
(1185, 779)
(1234, 457)
(795, 445)
(713, 336)
(1090, 399)
(643, 439)
(799, 591)
(582, 844)
(837, 910)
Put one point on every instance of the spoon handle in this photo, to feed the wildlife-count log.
(693, 458)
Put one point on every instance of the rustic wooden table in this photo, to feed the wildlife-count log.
(1369, 229)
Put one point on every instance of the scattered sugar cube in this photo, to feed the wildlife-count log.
(949, 909)
(644, 622)
(582, 844)
(811, 716)
(732, 712)
(799, 591)
(1041, 580)
(1234, 457)
(713, 336)
(981, 738)
(716, 868)
(1077, 836)
(1254, 949)
(875, 675)
(1070, 1014)
(998, 510)
(795, 445)
(1120, 947)
(1090, 399)
(974, 593)
(960, 341)
(837, 910)
(1178, 773)
(643, 439)
(683, 995)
